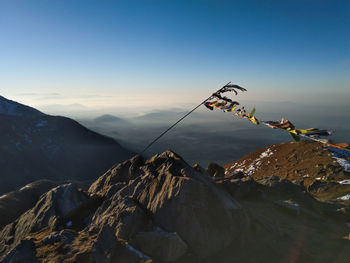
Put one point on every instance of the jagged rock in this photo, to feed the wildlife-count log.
(51, 210)
(189, 203)
(65, 236)
(119, 174)
(23, 252)
(105, 244)
(198, 168)
(167, 247)
(15, 203)
(241, 189)
(215, 170)
(167, 192)
(124, 216)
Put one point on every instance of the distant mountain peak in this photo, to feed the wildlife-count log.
(13, 108)
(109, 118)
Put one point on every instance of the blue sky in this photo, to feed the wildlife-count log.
(173, 53)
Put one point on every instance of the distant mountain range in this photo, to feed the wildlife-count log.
(36, 146)
(108, 118)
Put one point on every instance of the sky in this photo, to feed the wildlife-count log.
(165, 53)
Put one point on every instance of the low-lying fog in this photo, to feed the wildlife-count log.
(213, 136)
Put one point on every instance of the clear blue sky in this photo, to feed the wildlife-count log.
(101, 52)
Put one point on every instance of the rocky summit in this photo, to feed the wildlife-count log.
(163, 210)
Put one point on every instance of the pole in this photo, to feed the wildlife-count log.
(172, 126)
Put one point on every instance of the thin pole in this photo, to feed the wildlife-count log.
(172, 126)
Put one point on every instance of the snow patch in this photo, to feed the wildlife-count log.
(267, 153)
(345, 197)
(24, 187)
(344, 182)
(343, 163)
(138, 252)
(41, 123)
(257, 162)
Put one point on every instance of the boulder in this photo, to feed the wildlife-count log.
(215, 170)
(124, 216)
(164, 246)
(15, 203)
(198, 168)
(241, 189)
(189, 203)
(50, 211)
(119, 174)
(23, 252)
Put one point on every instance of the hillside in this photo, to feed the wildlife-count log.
(36, 146)
(306, 163)
(163, 210)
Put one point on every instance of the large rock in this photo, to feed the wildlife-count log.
(215, 170)
(15, 203)
(117, 175)
(165, 191)
(241, 189)
(124, 216)
(164, 246)
(184, 201)
(51, 210)
(23, 252)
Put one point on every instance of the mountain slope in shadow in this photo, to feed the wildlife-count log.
(36, 146)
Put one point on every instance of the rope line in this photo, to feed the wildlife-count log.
(172, 126)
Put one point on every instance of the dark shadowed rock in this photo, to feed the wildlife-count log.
(124, 216)
(198, 168)
(164, 246)
(215, 170)
(241, 189)
(24, 252)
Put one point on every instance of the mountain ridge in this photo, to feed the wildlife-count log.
(36, 146)
(10, 107)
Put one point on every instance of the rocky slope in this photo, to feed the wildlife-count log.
(306, 163)
(163, 210)
(15, 203)
(36, 146)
